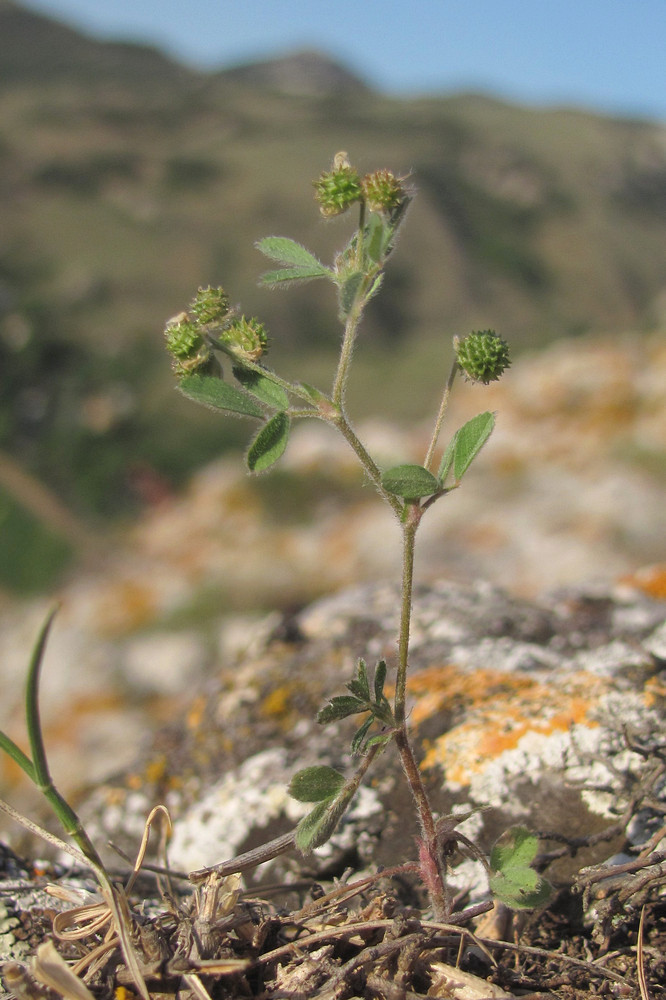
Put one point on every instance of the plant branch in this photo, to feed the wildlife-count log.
(440, 415)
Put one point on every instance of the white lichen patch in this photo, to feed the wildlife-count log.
(248, 799)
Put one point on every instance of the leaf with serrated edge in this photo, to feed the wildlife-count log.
(316, 784)
(269, 444)
(263, 387)
(469, 441)
(218, 395)
(380, 678)
(410, 482)
(340, 707)
(286, 251)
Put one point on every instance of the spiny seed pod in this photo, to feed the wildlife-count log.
(383, 191)
(210, 305)
(246, 338)
(185, 344)
(337, 189)
(483, 356)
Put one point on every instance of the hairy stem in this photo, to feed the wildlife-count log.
(431, 861)
(372, 469)
(440, 415)
(408, 544)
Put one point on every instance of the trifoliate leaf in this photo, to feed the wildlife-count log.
(269, 444)
(316, 784)
(514, 882)
(469, 441)
(410, 482)
(218, 395)
(263, 387)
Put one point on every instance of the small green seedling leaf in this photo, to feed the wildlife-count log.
(514, 881)
(263, 387)
(218, 395)
(340, 707)
(410, 482)
(316, 784)
(286, 251)
(469, 441)
(269, 444)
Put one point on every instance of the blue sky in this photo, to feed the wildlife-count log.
(608, 55)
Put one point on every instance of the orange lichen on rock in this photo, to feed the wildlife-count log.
(651, 580)
(500, 708)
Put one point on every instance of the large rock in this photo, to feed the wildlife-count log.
(542, 714)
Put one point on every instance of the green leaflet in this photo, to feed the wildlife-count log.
(287, 251)
(269, 444)
(469, 441)
(410, 482)
(263, 387)
(349, 291)
(299, 263)
(218, 395)
(314, 784)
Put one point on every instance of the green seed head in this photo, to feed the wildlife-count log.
(483, 356)
(337, 189)
(210, 305)
(185, 344)
(383, 192)
(246, 338)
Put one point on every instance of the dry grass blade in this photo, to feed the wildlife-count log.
(51, 969)
(640, 960)
(158, 810)
(447, 981)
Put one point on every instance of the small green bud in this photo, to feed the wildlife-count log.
(246, 338)
(483, 356)
(210, 305)
(383, 192)
(185, 344)
(337, 189)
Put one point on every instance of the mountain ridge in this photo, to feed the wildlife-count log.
(125, 185)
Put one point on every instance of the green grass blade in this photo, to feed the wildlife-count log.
(17, 755)
(41, 775)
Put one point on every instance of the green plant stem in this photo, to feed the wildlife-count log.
(409, 529)
(373, 471)
(440, 416)
(346, 351)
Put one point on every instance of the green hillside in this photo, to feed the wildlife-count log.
(126, 181)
